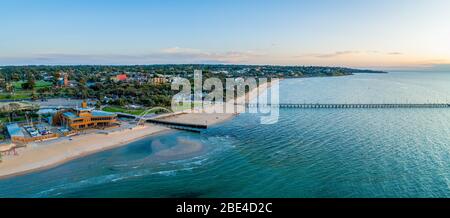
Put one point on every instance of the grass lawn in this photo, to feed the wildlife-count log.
(39, 84)
(17, 95)
(20, 93)
(15, 119)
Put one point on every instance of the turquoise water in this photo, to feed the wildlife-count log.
(308, 153)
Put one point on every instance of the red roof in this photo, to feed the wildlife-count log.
(121, 77)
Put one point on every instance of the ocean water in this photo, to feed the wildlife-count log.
(307, 153)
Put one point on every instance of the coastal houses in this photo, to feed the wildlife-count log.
(63, 80)
(159, 80)
(119, 78)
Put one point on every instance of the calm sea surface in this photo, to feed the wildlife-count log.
(308, 153)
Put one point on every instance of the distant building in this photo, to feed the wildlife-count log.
(48, 78)
(66, 80)
(84, 118)
(159, 80)
(63, 80)
(220, 72)
(120, 77)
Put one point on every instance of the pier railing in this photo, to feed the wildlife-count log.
(343, 106)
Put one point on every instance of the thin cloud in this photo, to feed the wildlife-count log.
(196, 55)
(395, 53)
(164, 56)
(336, 54)
(344, 53)
(326, 55)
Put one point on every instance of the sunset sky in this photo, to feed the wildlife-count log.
(382, 34)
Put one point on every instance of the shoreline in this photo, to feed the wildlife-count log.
(85, 154)
(71, 153)
(47, 155)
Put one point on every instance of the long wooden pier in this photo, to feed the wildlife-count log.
(170, 123)
(344, 106)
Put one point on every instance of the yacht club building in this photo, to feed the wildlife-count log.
(84, 118)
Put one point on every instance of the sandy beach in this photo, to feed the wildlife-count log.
(49, 154)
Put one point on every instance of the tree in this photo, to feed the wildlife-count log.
(56, 75)
(13, 107)
(15, 77)
(31, 80)
(2, 81)
(98, 104)
(122, 101)
(9, 87)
